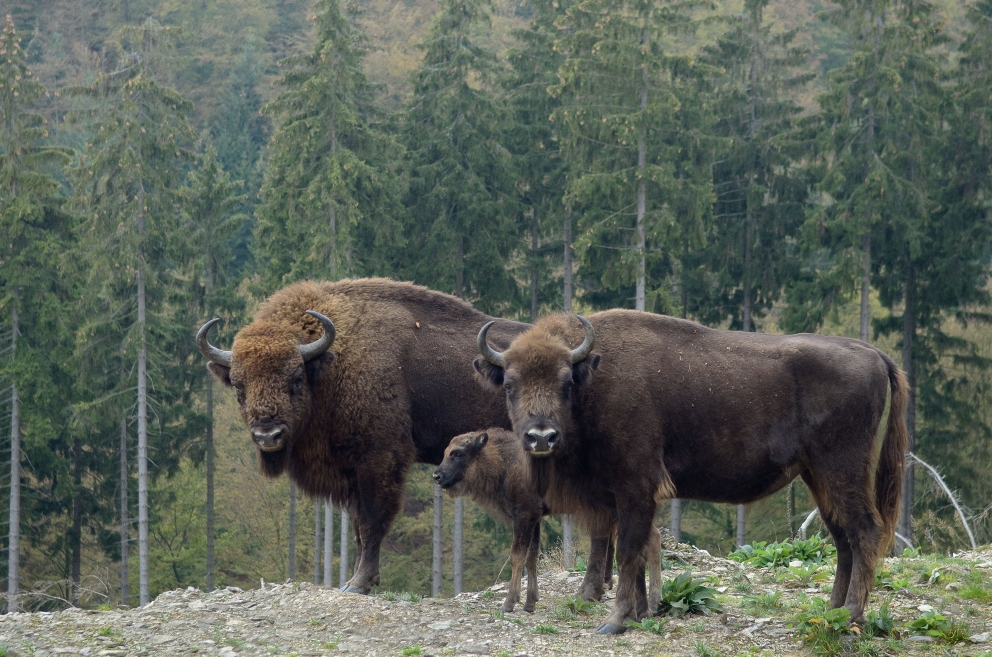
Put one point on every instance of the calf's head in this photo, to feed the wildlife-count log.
(539, 371)
(272, 374)
(461, 454)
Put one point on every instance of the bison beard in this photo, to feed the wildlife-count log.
(675, 408)
(391, 388)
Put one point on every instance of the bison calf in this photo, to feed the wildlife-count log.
(490, 467)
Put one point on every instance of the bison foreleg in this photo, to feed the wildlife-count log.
(533, 552)
(523, 531)
(632, 540)
(378, 503)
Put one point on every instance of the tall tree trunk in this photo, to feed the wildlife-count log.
(333, 214)
(436, 565)
(329, 544)
(566, 520)
(676, 512)
(457, 545)
(142, 446)
(533, 270)
(642, 193)
(316, 542)
(790, 508)
(210, 482)
(14, 528)
(460, 270)
(741, 525)
(76, 535)
(908, 334)
(125, 528)
(292, 531)
(748, 264)
(865, 285)
(343, 566)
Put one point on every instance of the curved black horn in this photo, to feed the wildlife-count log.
(323, 343)
(210, 352)
(583, 350)
(490, 354)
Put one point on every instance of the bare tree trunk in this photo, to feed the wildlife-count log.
(460, 271)
(790, 507)
(641, 197)
(333, 214)
(866, 284)
(566, 520)
(142, 446)
(676, 512)
(210, 482)
(748, 262)
(292, 531)
(533, 274)
(676, 520)
(125, 529)
(741, 524)
(344, 547)
(908, 333)
(567, 292)
(457, 543)
(14, 528)
(436, 580)
(316, 542)
(76, 535)
(329, 544)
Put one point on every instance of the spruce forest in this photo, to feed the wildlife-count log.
(753, 165)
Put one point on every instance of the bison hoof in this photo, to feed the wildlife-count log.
(529, 607)
(352, 589)
(610, 628)
(508, 605)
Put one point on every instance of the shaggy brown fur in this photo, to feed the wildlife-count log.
(720, 416)
(491, 468)
(393, 389)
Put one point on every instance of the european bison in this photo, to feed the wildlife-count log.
(676, 408)
(344, 385)
(490, 467)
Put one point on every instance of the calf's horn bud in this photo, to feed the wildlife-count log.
(323, 343)
(209, 351)
(583, 350)
(490, 354)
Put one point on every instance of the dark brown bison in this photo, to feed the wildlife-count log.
(490, 467)
(669, 407)
(344, 385)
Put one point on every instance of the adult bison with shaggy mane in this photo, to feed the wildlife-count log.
(668, 407)
(344, 385)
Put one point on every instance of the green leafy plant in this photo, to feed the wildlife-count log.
(763, 602)
(413, 650)
(742, 584)
(891, 581)
(822, 628)
(703, 650)
(879, 622)
(653, 625)
(563, 613)
(580, 566)
(814, 550)
(805, 574)
(685, 595)
(930, 623)
(545, 628)
(578, 605)
(488, 595)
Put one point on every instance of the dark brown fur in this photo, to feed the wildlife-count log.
(678, 408)
(393, 389)
(491, 468)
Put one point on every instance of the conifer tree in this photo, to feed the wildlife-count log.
(126, 189)
(330, 200)
(32, 229)
(634, 138)
(462, 227)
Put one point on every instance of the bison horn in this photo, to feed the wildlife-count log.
(583, 350)
(490, 354)
(315, 349)
(210, 352)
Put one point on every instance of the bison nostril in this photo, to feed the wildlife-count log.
(437, 476)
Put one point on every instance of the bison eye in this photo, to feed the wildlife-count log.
(508, 388)
(298, 383)
(457, 455)
(240, 392)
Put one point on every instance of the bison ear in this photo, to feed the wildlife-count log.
(491, 373)
(481, 440)
(222, 372)
(315, 366)
(581, 371)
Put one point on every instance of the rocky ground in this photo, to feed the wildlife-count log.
(302, 619)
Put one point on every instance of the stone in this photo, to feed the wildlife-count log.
(984, 637)
(474, 648)
(919, 638)
(159, 639)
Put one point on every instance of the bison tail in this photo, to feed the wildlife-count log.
(892, 459)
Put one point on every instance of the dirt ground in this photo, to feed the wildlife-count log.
(302, 619)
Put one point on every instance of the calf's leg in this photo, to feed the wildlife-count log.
(533, 552)
(523, 535)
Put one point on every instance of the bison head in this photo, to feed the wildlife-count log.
(538, 372)
(272, 374)
(459, 456)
